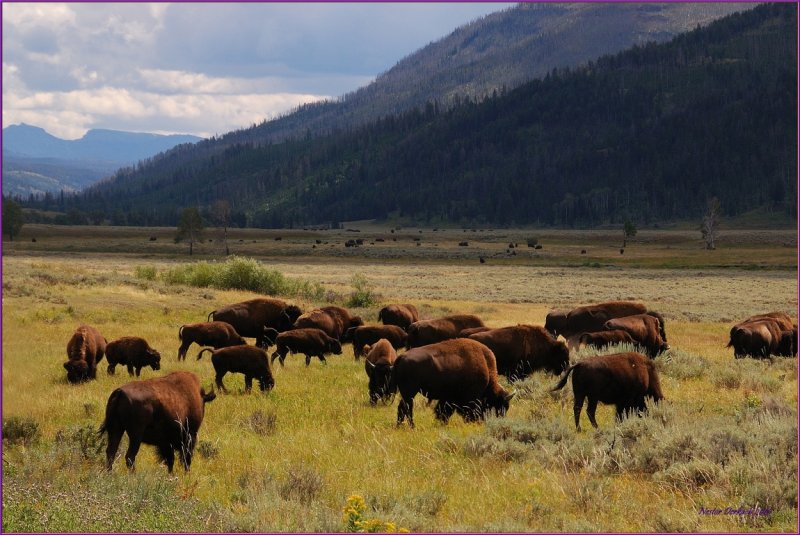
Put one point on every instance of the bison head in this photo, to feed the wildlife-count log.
(381, 385)
(500, 402)
(555, 322)
(558, 359)
(153, 359)
(77, 370)
(288, 317)
(334, 346)
(268, 338)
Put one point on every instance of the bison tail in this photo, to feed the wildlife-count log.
(210, 315)
(199, 355)
(111, 408)
(180, 333)
(563, 380)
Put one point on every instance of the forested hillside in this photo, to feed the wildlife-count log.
(650, 134)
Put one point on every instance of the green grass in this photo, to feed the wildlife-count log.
(291, 459)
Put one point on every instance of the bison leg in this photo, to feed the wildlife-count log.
(405, 409)
(111, 368)
(187, 451)
(114, 438)
(183, 349)
(576, 408)
(134, 441)
(167, 454)
(218, 381)
(130, 369)
(248, 383)
(321, 357)
(445, 410)
(277, 354)
(265, 383)
(591, 408)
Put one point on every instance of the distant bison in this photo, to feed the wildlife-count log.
(426, 332)
(523, 349)
(85, 349)
(645, 329)
(370, 334)
(132, 352)
(762, 338)
(249, 318)
(400, 315)
(461, 374)
(591, 318)
(165, 412)
(251, 361)
(216, 334)
(621, 379)
(309, 341)
(379, 363)
(602, 339)
(335, 321)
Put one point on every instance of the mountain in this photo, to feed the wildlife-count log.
(35, 161)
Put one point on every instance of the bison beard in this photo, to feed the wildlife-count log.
(164, 412)
(621, 379)
(379, 364)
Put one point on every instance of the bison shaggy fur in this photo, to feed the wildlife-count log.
(460, 373)
(602, 339)
(370, 334)
(378, 365)
(165, 412)
(645, 329)
(591, 318)
(216, 334)
(522, 349)
(132, 352)
(335, 321)
(309, 341)
(85, 349)
(425, 332)
(250, 361)
(399, 315)
(249, 318)
(621, 379)
(762, 338)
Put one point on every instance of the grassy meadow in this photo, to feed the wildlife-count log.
(719, 455)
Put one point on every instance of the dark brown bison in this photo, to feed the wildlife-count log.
(425, 332)
(461, 374)
(251, 361)
(400, 315)
(216, 334)
(556, 322)
(621, 379)
(249, 318)
(378, 365)
(591, 318)
(165, 412)
(84, 350)
(132, 352)
(369, 334)
(309, 341)
(523, 349)
(602, 339)
(335, 321)
(645, 329)
(762, 338)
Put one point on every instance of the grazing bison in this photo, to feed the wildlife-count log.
(378, 365)
(556, 321)
(335, 321)
(165, 412)
(400, 315)
(645, 329)
(370, 334)
(216, 334)
(621, 379)
(251, 361)
(249, 318)
(309, 341)
(84, 350)
(602, 339)
(762, 338)
(133, 352)
(426, 332)
(525, 348)
(591, 318)
(461, 374)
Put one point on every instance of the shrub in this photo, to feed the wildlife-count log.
(20, 430)
(302, 484)
(207, 450)
(84, 440)
(145, 272)
(363, 295)
(262, 423)
(355, 522)
(689, 475)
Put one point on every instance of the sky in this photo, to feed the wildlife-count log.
(201, 68)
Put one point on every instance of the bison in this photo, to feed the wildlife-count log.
(556, 321)
(466, 333)
(645, 329)
(309, 341)
(335, 321)
(216, 334)
(621, 379)
(762, 338)
(603, 339)
(370, 334)
(249, 318)
(378, 365)
(251, 361)
(133, 352)
(590, 318)
(425, 332)
(165, 412)
(461, 374)
(525, 348)
(84, 350)
(400, 315)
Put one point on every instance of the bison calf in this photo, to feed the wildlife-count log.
(378, 365)
(133, 352)
(621, 379)
(85, 349)
(370, 334)
(400, 315)
(216, 334)
(165, 412)
(248, 360)
(309, 341)
(604, 339)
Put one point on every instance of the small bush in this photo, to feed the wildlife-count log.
(302, 485)
(262, 423)
(207, 450)
(485, 446)
(148, 273)
(84, 440)
(727, 378)
(363, 295)
(354, 521)
(690, 475)
(20, 430)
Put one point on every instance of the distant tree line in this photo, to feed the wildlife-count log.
(650, 134)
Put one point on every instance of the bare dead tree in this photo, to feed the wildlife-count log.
(710, 224)
(221, 214)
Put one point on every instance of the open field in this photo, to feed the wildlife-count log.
(726, 437)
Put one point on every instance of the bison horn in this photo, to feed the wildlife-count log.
(511, 395)
(371, 364)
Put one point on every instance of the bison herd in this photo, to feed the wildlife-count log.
(453, 360)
